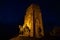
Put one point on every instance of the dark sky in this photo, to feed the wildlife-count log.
(12, 14)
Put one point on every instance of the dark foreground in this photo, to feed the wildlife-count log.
(32, 38)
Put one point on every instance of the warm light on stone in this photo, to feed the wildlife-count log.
(28, 20)
(33, 25)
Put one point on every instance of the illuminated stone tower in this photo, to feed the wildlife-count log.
(33, 26)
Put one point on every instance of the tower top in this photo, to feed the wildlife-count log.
(33, 6)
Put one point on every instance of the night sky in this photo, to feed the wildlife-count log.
(12, 14)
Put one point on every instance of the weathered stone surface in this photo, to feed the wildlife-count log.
(33, 26)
